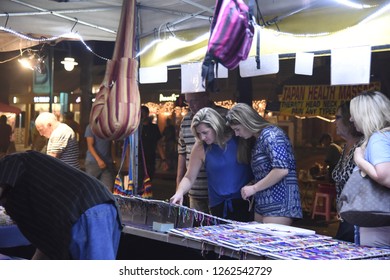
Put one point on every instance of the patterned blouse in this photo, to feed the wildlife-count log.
(273, 150)
(343, 169)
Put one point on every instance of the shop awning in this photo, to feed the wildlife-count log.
(5, 108)
(288, 26)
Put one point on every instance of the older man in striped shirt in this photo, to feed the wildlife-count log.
(62, 142)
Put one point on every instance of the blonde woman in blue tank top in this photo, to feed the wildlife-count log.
(226, 161)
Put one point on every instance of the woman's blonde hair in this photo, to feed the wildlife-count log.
(370, 111)
(248, 117)
(214, 120)
(223, 132)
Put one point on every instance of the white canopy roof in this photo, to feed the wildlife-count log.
(98, 19)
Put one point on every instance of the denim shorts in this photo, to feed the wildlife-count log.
(96, 234)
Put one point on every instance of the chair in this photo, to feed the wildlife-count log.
(323, 201)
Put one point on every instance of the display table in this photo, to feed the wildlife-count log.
(235, 243)
(10, 236)
(202, 247)
(231, 239)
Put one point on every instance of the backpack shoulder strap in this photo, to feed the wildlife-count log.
(251, 6)
(209, 77)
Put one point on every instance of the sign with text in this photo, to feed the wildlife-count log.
(318, 100)
(41, 81)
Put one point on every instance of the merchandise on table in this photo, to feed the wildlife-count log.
(10, 235)
(270, 241)
(5, 220)
(279, 246)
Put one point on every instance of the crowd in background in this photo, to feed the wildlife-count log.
(233, 163)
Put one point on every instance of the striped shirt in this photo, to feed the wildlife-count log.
(63, 141)
(186, 141)
(47, 196)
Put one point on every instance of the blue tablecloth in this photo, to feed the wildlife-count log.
(10, 236)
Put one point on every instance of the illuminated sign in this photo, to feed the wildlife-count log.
(318, 100)
(41, 99)
(172, 97)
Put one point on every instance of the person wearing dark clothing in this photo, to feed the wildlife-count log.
(333, 154)
(169, 143)
(5, 134)
(69, 120)
(64, 212)
(150, 137)
(98, 160)
(344, 168)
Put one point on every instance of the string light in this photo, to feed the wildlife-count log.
(354, 5)
(29, 38)
(10, 59)
(72, 35)
(75, 36)
(33, 60)
(69, 35)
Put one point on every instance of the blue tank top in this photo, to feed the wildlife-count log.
(226, 176)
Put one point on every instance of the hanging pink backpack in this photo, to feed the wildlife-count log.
(231, 36)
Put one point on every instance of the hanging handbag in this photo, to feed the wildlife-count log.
(115, 114)
(119, 185)
(364, 202)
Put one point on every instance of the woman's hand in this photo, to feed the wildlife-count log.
(102, 164)
(177, 198)
(164, 165)
(273, 177)
(358, 155)
(248, 191)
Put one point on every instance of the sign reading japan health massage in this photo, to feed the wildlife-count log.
(319, 100)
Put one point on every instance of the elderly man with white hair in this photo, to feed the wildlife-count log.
(62, 142)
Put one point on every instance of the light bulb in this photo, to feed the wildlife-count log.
(69, 63)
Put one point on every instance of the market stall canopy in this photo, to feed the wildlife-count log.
(98, 20)
(5, 108)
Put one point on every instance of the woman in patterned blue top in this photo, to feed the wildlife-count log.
(276, 191)
(226, 161)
